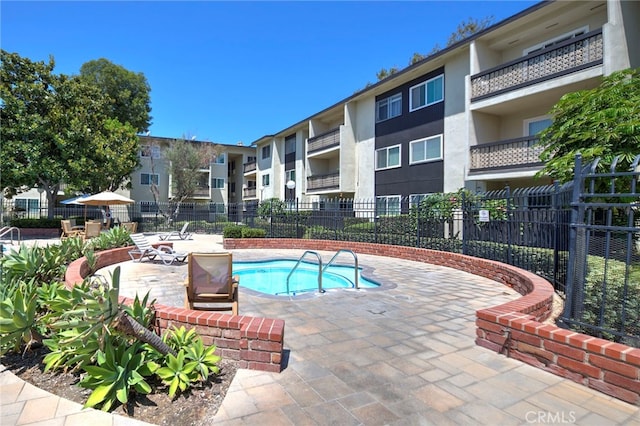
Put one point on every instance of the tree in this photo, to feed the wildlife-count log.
(127, 90)
(602, 122)
(55, 129)
(465, 29)
(185, 160)
(468, 28)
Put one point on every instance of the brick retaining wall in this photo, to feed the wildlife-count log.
(514, 328)
(256, 343)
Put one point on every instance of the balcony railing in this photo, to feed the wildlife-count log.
(201, 192)
(249, 167)
(328, 181)
(324, 140)
(564, 58)
(512, 153)
(249, 193)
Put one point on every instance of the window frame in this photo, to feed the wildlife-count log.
(419, 197)
(215, 181)
(267, 149)
(387, 198)
(555, 40)
(399, 146)
(266, 177)
(389, 101)
(426, 93)
(152, 151)
(527, 121)
(412, 161)
(217, 161)
(150, 178)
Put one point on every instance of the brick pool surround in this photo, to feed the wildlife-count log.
(515, 329)
(255, 343)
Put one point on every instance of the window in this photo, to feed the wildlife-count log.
(388, 205)
(148, 207)
(216, 208)
(426, 93)
(149, 178)
(389, 107)
(217, 183)
(533, 126)
(219, 159)
(265, 180)
(555, 40)
(388, 157)
(27, 204)
(416, 199)
(290, 175)
(428, 149)
(152, 151)
(290, 144)
(266, 152)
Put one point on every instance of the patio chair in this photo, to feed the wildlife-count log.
(182, 234)
(144, 249)
(210, 283)
(91, 229)
(132, 227)
(68, 230)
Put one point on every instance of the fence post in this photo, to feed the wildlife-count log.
(465, 215)
(509, 225)
(555, 208)
(572, 305)
(297, 213)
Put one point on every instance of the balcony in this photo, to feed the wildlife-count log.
(249, 193)
(564, 58)
(323, 141)
(249, 167)
(201, 192)
(509, 154)
(323, 182)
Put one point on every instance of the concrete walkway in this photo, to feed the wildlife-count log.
(403, 356)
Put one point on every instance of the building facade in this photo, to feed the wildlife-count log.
(467, 116)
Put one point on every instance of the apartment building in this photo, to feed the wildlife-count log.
(467, 116)
(220, 182)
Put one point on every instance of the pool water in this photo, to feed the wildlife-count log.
(270, 277)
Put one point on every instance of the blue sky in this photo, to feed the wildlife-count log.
(235, 71)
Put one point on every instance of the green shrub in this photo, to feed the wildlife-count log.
(36, 223)
(361, 227)
(232, 231)
(606, 299)
(253, 233)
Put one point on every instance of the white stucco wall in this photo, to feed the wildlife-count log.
(364, 133)
(456, 143)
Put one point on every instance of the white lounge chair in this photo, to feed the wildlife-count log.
(144, 249)
(182, 234)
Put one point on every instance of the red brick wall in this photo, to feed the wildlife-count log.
(514, 328)
(256, 343)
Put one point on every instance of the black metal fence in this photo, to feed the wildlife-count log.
(603, 281)
(582, 238)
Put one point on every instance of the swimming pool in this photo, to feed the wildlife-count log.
(270, 277)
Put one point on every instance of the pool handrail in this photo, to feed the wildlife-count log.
(355, 258)
(320, 289)
(9, 229)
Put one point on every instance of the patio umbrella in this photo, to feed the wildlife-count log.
(104, 198)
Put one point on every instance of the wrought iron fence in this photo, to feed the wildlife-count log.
(582, 238)
(603, 281)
